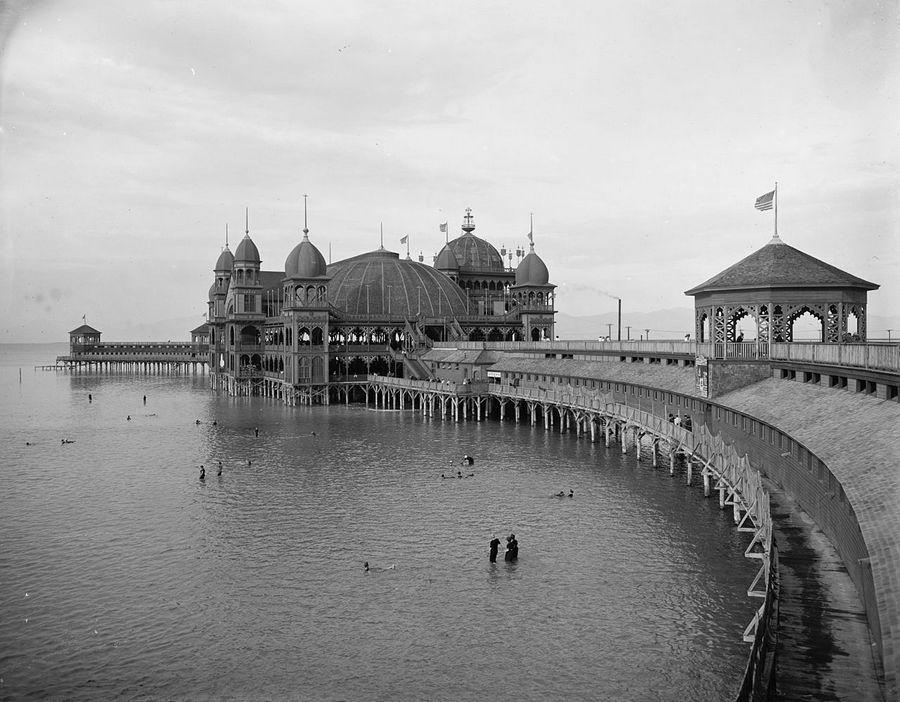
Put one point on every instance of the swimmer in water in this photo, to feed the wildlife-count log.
(373, 568)
(220, 468)
(202, 473)
(128, 418)
(571, 493)
(197, 422)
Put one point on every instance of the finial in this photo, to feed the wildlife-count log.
(381, 246)
(531, 232)
(305, 226)
(226, 235)
(247, 220)
(468, 221)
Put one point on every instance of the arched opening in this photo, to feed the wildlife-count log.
(250, 336)
(495, 335)
(806, 326)
(303, 336)
(535, 334)
(853, 325)
(317, 336)
(703, 328)
(743, 326)
(476, 335)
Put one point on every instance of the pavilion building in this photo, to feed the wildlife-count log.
(772, 288)
(293, 332)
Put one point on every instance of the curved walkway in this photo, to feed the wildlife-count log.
(858, 436)
(824, 648)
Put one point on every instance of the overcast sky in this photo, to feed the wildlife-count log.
(638, 133)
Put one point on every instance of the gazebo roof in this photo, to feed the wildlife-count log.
(84, 329)
(777, 265)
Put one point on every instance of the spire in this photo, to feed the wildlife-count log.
(381, 246)
(226, 236)
(305, 225)
(531, 232)
(247, 220)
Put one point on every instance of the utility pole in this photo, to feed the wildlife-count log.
(628, 331)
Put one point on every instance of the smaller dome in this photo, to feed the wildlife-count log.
(305, 261)
(212, 292)
(532, 271)
(225, 261)
(246, 251)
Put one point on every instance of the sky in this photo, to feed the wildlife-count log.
(638, 134)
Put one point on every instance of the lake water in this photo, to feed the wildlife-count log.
(123, 576)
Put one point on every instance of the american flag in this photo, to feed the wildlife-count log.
(765, 202)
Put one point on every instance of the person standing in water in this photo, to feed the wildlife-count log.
(202, 473)
(495, 544)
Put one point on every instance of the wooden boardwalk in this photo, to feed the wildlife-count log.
(825, 651)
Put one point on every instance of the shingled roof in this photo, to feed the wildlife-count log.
(85, 329)
(777, 265)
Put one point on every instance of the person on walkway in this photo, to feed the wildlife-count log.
(495, 544)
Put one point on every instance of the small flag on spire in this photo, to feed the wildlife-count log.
(84, 318)
(404, 239)
(444, 227)
(765, 202)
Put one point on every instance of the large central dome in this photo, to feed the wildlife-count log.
(380, 283)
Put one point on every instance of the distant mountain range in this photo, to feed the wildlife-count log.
(671, 323)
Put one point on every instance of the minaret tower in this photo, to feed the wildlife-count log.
(306, 319)
(533, 295)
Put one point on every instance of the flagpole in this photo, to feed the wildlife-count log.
(776, 209)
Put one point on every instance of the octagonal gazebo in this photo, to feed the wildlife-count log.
(775, 286)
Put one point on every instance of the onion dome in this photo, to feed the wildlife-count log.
(532, 270)
(305, 261)
(470, 253)
(246, 251)
(225, 261)
(380, 283)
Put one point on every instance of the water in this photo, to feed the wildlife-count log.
(122, 576)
